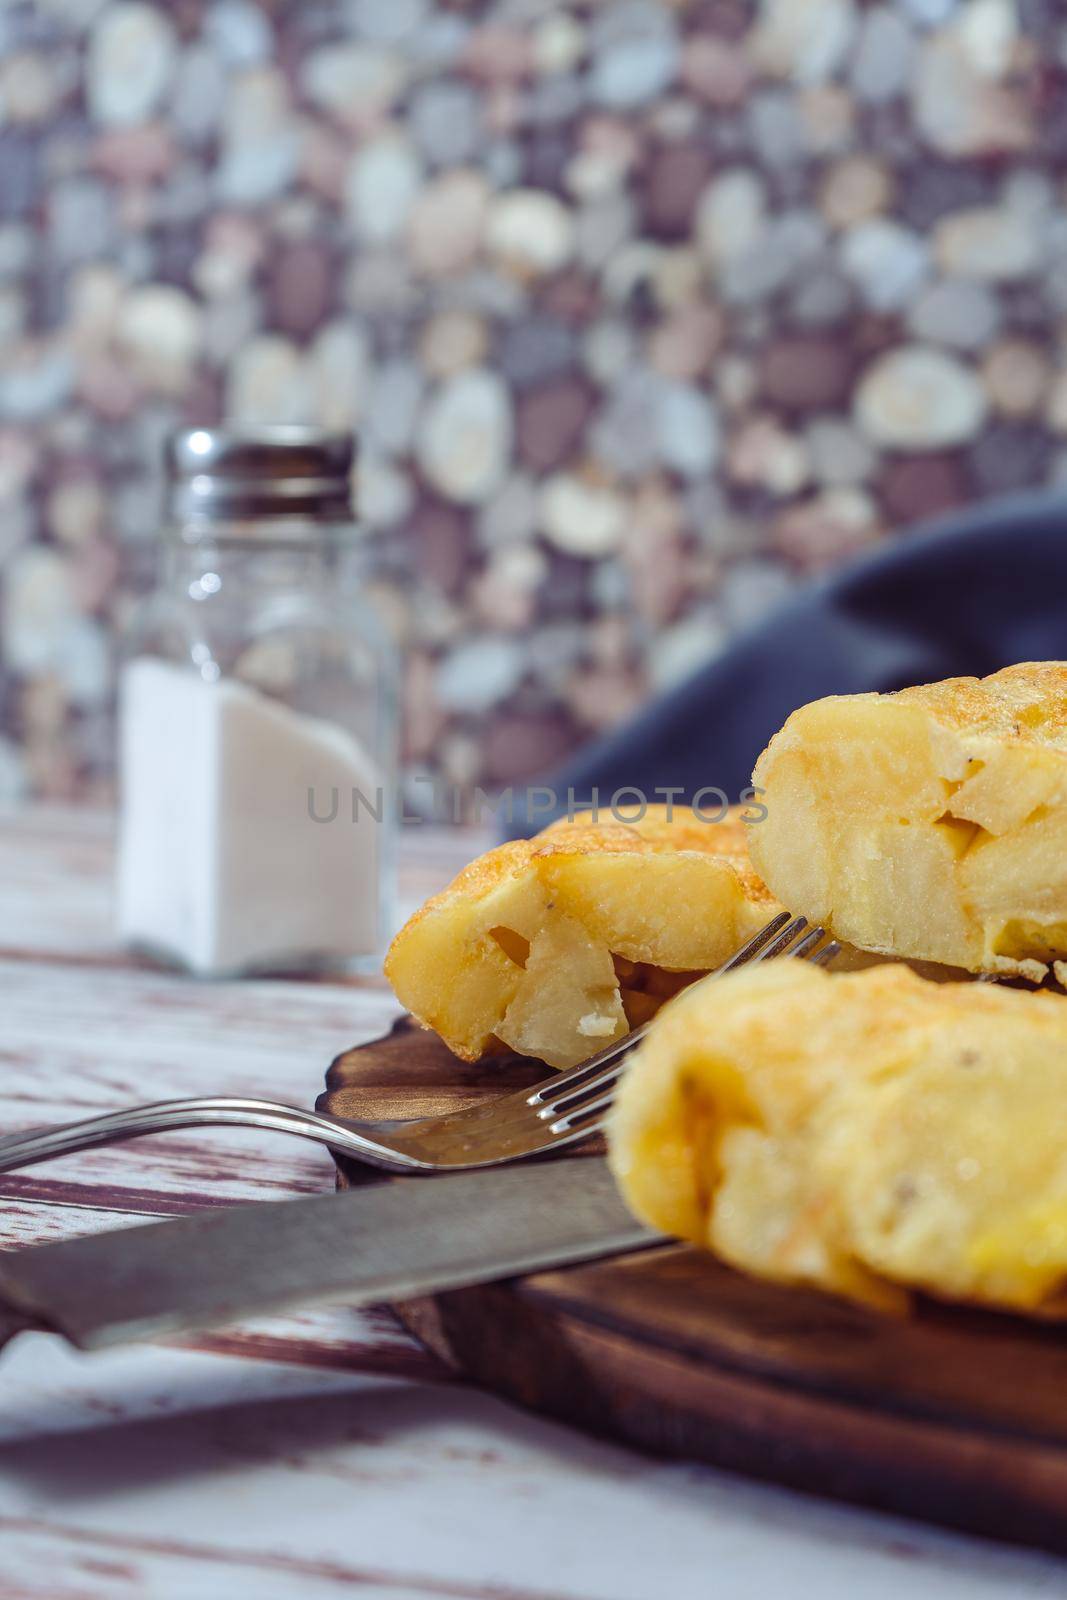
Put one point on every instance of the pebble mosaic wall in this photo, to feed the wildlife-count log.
(643, 310)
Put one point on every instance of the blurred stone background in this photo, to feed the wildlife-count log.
(643, 310)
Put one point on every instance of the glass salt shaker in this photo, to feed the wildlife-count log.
(258, 718)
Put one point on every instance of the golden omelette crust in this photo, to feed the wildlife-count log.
(653, 834)
(1024, 704)
(479, 959)
(930, 823)
(870, 1133)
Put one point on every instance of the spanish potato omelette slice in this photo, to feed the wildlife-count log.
(869, 1132)
(929, 823)
(557, 945)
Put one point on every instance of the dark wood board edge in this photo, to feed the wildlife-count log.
(1008, 1488)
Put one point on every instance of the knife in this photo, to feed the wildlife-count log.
(361, 1246)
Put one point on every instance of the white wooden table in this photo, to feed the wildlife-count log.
(310, 1454)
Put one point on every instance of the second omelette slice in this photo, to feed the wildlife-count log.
(930, 823)
(867, 1132)
(557, 945)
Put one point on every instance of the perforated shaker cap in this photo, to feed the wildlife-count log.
(241, 473)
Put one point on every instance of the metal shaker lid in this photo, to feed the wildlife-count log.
(234, 472)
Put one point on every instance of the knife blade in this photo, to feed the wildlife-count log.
(385, 1241)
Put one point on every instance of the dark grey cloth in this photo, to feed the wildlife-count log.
(974, 592)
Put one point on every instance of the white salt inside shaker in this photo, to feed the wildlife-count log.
(222, 863)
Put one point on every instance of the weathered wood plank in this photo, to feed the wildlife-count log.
(84, 1031)
(55, 873)
(202, 1477)
(77, 1041)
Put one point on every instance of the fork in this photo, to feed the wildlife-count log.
(567, 1107)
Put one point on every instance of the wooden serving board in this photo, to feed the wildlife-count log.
(957, 1417)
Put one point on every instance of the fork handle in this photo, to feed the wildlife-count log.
(233, 1111)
